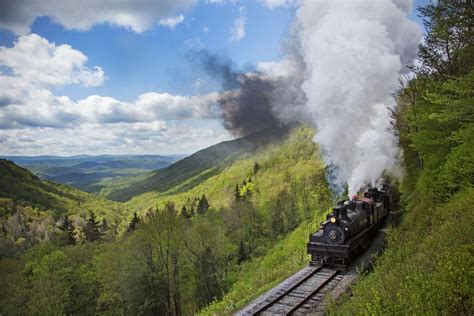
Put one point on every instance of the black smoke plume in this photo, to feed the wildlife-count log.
(246, 98)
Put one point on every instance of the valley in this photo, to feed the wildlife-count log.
(266, 185)
(89, 173)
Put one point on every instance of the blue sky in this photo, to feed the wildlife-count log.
(132, 64)
(155, 60)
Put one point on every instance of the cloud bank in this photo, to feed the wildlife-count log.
(34, 120)
(138, 16)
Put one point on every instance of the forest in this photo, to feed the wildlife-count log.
(173, 258)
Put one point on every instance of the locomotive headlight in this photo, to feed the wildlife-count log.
(333, 220)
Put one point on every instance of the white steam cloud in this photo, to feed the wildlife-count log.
(354, 52)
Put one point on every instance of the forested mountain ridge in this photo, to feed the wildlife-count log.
(198, 167)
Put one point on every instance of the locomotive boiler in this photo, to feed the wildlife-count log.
(349, 228)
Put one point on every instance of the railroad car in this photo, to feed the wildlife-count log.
(349, 228)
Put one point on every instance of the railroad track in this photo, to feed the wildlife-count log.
(298, 298)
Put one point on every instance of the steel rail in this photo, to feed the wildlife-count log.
(312, 293)
(287, 291)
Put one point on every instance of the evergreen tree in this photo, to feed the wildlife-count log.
(185, 213)
(237, 195)
(133, 223)
(256, 167)
(203, 205)
(91, 231)
(192, 212)
(4, 230)
(67, 228)
(104, 226)
(242, 255)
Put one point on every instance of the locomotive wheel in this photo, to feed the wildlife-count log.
(334, 234)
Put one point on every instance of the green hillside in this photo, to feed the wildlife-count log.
(192, 242)
(31, 210)
(22, 187)
(293, 158)
(192, 170)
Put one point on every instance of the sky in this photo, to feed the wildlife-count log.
(110, 77)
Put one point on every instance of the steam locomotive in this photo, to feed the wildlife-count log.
(349, 228)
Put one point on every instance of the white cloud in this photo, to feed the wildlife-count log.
(35, 61)
(135, 15)
(41, 108)
(278, 3)
(238, 29)
(156, 137)
(172, 21)
(221, 2)
(33, 120)
(206, 29)
(35, 66)
(283, 68)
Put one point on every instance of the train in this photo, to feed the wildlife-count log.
(349, 228)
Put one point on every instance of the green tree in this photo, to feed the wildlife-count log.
(91, 231)
(203, 205)
(68, 235)
(256, 167)
(277, 219)
(104, 226)
(49, 287)
(133, 223)
(210, 252)
(242, 253)
(184, 212)
(165, 230)
(237, 196)
(4, 230)
(447, 48)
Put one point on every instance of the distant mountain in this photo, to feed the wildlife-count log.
(87, 172)
(190, 171)
(75, 160)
